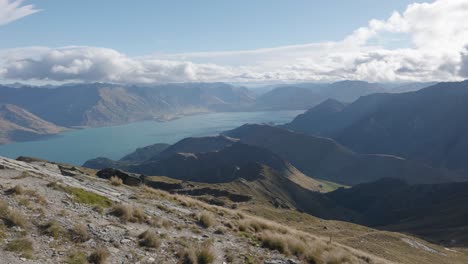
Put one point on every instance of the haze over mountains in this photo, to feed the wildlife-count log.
(100, 104)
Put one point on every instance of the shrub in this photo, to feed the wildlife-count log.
(149, 239)
(99, 256)
(206, 219)
(22, 245)
(116, 181)
(80, 233)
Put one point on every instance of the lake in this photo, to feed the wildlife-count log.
(75, 147)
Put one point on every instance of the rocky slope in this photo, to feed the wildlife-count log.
(17, 124)
(55, 213)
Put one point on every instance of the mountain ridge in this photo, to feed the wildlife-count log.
(399, 124)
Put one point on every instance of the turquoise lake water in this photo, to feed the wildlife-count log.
(75, 147)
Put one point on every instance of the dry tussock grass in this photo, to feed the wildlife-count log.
(149, 239)
(128, 213)
(116, 181)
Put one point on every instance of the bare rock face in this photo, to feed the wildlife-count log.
(131, 179)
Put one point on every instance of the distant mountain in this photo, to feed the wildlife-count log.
(306, 95)
(17, 124)
(323, 158)
(288, 97)
(108, 104)
(429, 125)
(317, 115)
(435, 211)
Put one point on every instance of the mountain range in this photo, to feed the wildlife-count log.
(316, 157)
(102, 104)
(306, 95)
(428, 125)
(250, 166)
(108, 104)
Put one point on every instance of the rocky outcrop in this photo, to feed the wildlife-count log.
(131, 179)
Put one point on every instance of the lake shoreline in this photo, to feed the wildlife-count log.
(78, 145)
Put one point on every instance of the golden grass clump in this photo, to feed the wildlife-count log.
(80, 233)
(206, 219)
(116, 181)
(53, 229)
(202, 254)
(149, 239)
(14, 217)
(128, 213)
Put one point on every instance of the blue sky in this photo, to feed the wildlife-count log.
(262, 41)
(150, 26)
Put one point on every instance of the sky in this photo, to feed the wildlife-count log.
(152, 41)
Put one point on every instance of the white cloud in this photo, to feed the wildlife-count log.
(11, 10)
(435, 51)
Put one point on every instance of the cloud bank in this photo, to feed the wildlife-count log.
(432, 46)
(11, 10)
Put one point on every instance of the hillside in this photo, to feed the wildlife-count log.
(17, 124)
(428, 125)
(159, 151)
(103, 104)
(317, 115)
(434, 211)
(84, 217)
(232, 162)
(323, 158)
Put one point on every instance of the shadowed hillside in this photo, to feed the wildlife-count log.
(323, 158)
